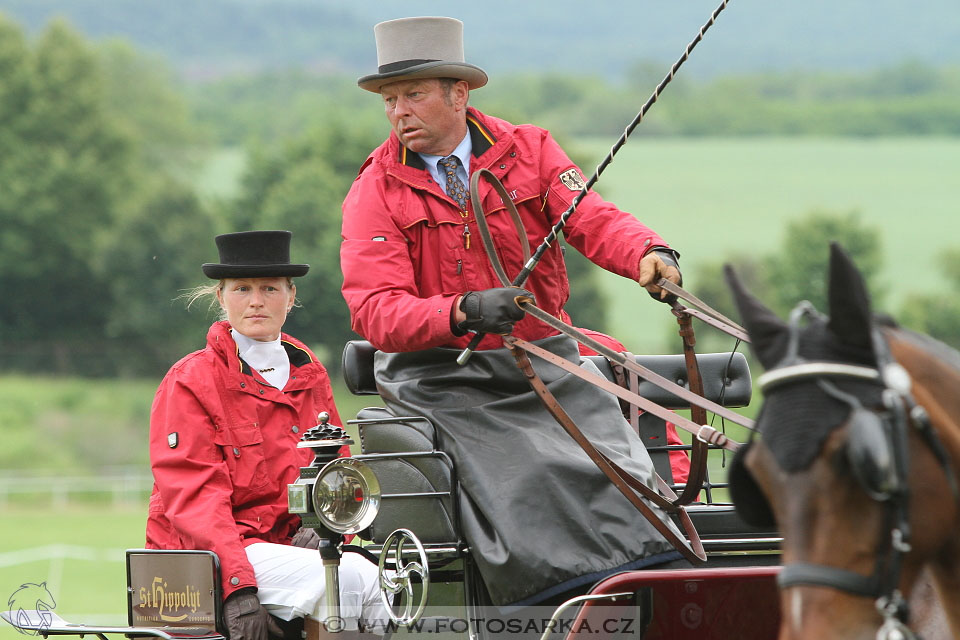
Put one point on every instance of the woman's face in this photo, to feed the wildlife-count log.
(257, 307)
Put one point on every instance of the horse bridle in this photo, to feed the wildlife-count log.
(889, 457)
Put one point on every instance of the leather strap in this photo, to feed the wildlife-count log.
(645, 373)
(621, 376)
(699, 304)
(484, 229)
(716, 324)
(704, 432)
(623, 481)
(698, 459)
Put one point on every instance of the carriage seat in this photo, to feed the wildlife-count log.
(422, 480)
(417, 480)
(726, 377)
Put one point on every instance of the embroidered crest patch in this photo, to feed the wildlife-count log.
(572, 180)
(173, 439)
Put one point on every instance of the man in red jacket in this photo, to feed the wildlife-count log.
(416, 275)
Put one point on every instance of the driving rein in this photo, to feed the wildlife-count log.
(705, 435)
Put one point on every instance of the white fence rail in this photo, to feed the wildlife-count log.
(121, 488)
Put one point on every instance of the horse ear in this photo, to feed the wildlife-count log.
(768, 333)
(848, 299)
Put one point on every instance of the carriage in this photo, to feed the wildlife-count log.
(859, 485)
(399, 499)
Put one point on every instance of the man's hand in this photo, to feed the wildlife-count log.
(659, 263)
(492, 310)
(246, 618)
(307, 538)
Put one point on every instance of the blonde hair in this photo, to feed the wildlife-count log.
(210, 291)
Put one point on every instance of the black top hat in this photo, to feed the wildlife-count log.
(254, 254)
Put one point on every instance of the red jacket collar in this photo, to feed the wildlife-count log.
(481, 137)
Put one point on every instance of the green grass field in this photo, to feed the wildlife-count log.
(77, 551)
(710, 198)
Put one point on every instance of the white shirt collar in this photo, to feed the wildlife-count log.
(268, 358)
(463, 152)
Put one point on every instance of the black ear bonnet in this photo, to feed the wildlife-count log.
(797, 417)
(749, 501)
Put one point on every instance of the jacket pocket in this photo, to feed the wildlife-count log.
(242, 448)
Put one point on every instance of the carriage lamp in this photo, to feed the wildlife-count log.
(346, 496)
(341, 495)
(335, 496)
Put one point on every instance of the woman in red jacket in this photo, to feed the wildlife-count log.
(224, 428)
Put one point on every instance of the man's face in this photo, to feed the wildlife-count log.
(426, 117)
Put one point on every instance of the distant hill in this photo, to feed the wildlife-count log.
(213, 38)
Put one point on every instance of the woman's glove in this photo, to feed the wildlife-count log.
(246, 619)
(307, 538)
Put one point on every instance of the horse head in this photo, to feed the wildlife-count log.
(854, 463)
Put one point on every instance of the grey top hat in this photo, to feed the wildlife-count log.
(429, 47)
(254, 254)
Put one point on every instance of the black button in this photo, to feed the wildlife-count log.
(243, 385)
(503, 166)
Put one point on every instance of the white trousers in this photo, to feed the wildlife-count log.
(291, 584)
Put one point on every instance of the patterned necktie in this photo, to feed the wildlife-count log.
(455, 187)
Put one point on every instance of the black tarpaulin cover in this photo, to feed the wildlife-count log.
(539, 516)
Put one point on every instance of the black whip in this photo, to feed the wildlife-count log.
(562, 222)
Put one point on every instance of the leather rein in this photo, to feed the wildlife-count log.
(705, 435)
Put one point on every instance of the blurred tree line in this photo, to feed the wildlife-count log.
(909, 99)
(103, 225)
(796, 269)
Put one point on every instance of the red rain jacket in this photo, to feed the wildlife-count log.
(408, 251)
(223, 447)
(406, 255)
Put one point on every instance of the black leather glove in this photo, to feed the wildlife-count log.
(493, 310)
(307, 538)
(660, 262)
(246, 619)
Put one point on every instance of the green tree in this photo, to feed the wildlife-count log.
(64, 166)
(794, 271)
(144, 99)
(94, 225)
(937, 315)
(153, 254)
(798, 270)
(300, 188)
